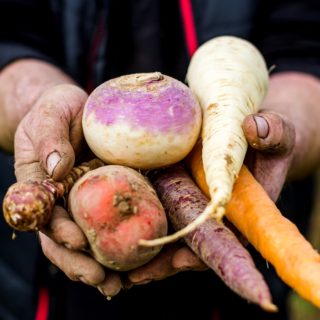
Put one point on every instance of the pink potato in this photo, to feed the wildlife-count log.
(115, 206)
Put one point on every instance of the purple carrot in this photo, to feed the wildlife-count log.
(213, 242)
(28, 205)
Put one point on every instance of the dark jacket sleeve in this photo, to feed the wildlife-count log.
(289, 35)
(27, 30)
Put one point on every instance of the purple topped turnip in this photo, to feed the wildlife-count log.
(143, 121)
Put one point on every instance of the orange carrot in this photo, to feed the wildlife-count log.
(275, 237)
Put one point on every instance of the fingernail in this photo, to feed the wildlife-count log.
(52, 161)
(127, 286)
(143, 282)
(84, 280)
(108, 297)
(262, 127)
(101, 290)
(67, 245)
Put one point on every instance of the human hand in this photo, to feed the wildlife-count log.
(65, 246)
(271, 139)
(173, 258)
(289, 145)
(50, 135)
(32, 162)
(46, 142)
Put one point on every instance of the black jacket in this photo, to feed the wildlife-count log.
(100, 39)
(78, 35)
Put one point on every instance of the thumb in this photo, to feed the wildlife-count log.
(50, 134)
(269, 132)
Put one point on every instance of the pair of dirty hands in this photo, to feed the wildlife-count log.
(49, 139)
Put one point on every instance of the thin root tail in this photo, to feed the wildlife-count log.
(211, 211)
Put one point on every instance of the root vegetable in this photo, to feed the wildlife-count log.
(143, 121)
(213, 242)
(28, 205)
(115, 206)
(277, 239)
(229, 77)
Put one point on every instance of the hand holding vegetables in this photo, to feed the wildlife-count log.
(30, 151)
(48, 108)
(65, 231)
(281, 155)
(275, 237)
(57, 115)
(46, 142)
